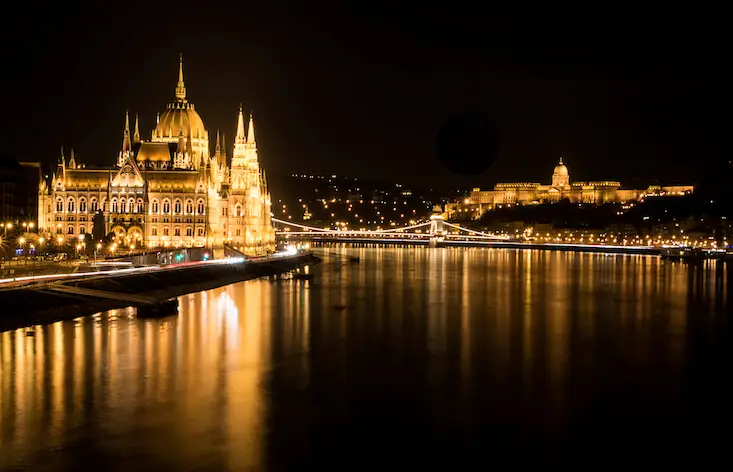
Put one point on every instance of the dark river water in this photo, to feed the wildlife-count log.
(429, 358)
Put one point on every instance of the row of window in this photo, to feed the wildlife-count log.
(153, 231)
(129, 206)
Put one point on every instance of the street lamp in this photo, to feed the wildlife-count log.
(21, 243)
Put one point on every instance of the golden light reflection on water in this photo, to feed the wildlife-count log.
(203, 384)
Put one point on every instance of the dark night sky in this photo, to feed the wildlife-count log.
(366, 95)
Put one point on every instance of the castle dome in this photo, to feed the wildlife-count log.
(560, 169)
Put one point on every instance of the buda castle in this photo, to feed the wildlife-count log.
(560, 188)
(169, 191)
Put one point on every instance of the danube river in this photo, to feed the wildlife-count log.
(411, 358)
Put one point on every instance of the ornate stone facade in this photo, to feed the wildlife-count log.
(168, 191)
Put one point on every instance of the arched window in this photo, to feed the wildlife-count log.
(200, 231)
(93, 204)
(155, 206)
(189, 231)
(139, 206)
(176, 231)
(165, 231)
(59, 205)
(166, 206)
(82, 230)
(200, 207)
(70, 205)
(130, 205)
(177, 207)
(114, 205)
(189, 207)
(154, 231)
(71, 230)
(238, 210)
(82, 205)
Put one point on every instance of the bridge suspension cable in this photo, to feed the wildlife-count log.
(323, 230)
(403, 228)
(288, 223)
(472, 231)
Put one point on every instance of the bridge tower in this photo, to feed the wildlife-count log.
(437, 228)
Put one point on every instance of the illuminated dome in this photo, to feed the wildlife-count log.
(180, 115)
(560, 176)
(560, 169)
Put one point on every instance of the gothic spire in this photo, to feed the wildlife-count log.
(181, 140)
(126, 145)
(136, 136)
(251, 130)
(181, 87)
(72, 160)
(62, 159)
(189, 145)
(218, 144)
(240, 138)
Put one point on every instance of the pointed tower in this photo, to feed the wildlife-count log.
(224, 164)
(240, 138)
(239, 164)
(126, 144)
(136, 136)
(181, 86)
(251, 131)
(72, 160)
(61, 164)
(250, 157)
(217, 151)
(223, 149)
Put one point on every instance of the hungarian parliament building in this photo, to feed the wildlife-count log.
(168, 191)
(560, 188)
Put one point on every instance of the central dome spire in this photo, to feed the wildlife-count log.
(181, 87)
